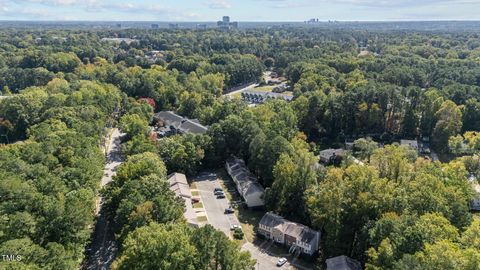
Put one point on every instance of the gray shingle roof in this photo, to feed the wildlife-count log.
(301, 232)
(271, 220)
(246, 182)
(180, 123)
(343, 263)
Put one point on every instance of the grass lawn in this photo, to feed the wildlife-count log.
(249, 220)
(267, 88)
(193, 185)
(198, 205)
(195, 193)
(202, 219)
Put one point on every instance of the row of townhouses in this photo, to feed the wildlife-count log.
(246, 183)
(297, 237)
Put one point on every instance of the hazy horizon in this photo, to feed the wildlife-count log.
(244, 11)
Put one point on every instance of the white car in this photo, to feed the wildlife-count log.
(281, 261)
(234, 227)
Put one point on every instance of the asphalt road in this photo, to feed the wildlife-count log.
(232, 92)
(102, 250)
(215, 208)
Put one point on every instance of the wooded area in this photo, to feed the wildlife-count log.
(394, 209)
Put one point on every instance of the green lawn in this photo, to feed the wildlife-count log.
(267, 88)
(198, 205)
(202, 219)
(195, 193)
(249, 220)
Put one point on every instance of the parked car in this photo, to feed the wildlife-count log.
(229, 210)
(218, 192)
(235, 227)
(281, 261)
(217, 189)
(221, 196)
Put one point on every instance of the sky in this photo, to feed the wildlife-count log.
(239, 10)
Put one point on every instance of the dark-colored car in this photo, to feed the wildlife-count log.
(221, 196)
(217, 189)
(218, 193)
(229, 211)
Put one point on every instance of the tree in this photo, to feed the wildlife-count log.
(293, 173)
(133, 125)
(157, 247)
(449, 123)
(364, 148)
(183, 153)
(180, 247)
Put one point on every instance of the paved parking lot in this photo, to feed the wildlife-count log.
(214, 208)
(265, 259)
(205, 183)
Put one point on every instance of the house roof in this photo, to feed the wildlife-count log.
(178, 184)
(265, 95)
(169, 117)
(411, 143)
(193, 127)
(327, 153)
(343, 263)
(293, 229)
(476, 188)
(247, 182)
(181, 123)
(249, 188)
(299, 231)
(308, 235)
(271, 220)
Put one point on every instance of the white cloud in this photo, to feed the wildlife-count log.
(60, 2)
(219, 4)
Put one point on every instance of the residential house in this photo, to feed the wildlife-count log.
(330, 155)
(178, 124)
(297, 237)
(475, 203)
(179, 185)
(411, 143)
(119, 40)
(261, 97)
(246, 183)
(280, 88)
(343, 263)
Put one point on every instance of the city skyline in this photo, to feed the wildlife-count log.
(246, 10)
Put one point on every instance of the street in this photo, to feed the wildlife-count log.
(231, 92)
(102, 250)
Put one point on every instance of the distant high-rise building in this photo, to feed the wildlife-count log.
(173, 26)
(225, 23)
(201, 26)
(313, 21)
(155, 26)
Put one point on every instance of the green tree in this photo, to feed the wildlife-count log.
(449, 123)
(158, 247)
(133, 125)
